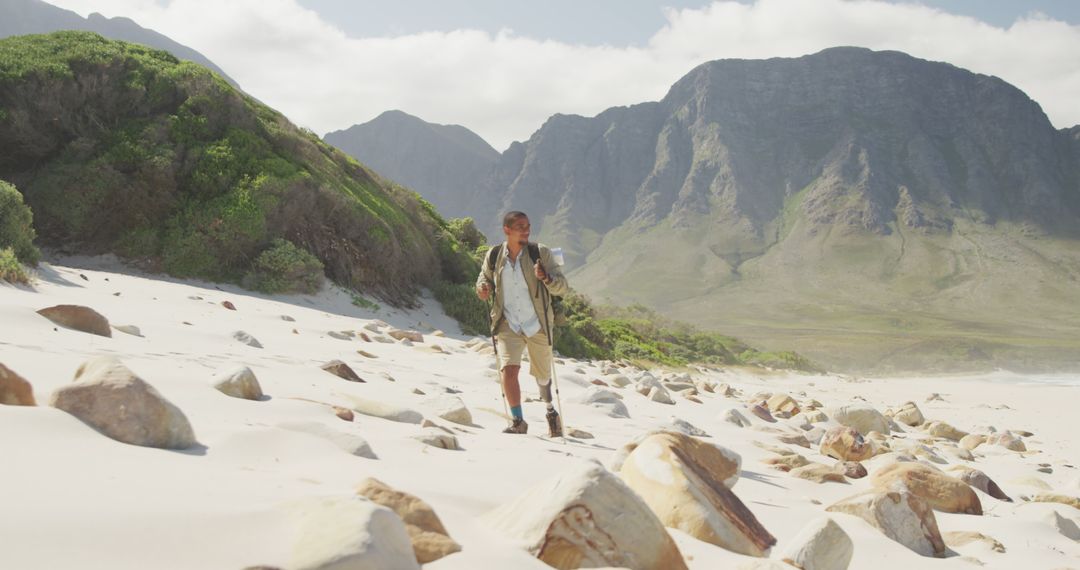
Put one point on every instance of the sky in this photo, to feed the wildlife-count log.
(502, 67)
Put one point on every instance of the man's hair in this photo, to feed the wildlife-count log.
(511, 217)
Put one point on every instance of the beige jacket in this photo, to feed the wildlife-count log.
(541, 294)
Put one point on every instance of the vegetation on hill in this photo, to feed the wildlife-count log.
(16, 236)
(122, 148)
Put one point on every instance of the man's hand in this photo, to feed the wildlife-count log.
(483, 292)
(540, 273)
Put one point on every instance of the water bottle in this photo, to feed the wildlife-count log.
(556, 254)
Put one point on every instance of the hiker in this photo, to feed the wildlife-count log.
(523, 277)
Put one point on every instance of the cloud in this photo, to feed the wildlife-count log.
(503, 86)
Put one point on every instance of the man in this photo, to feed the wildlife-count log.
(521, 314)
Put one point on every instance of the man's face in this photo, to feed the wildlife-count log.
(518, 232)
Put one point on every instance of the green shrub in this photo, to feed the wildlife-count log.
(285, 268)
(17, 225)
(460, 302)
(10, 269)
(464, 230)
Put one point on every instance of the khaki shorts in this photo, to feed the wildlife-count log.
(512, 345)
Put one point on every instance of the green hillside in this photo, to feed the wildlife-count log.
(121, 148)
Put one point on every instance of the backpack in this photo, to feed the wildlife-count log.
(493, 254)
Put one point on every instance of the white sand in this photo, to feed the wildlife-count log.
(72, 498)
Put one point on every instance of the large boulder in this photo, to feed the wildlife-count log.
(981, 481)
(607, 400)
(819, 473)
(110, 398)
(687, 483)
(784, 404)
(909, 414)
(863, 418)
(349, 532)
(77, 317)
(587, 517)
(428, 535)
(239, 383)
(14, 389)
(899, 515)
(820, 545)
(944, 430)
(942, 492)
(846, 444)
(450, 408)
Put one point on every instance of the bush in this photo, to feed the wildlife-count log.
(285, 268)
(464, 230)
(16, 225)
(10, 269)
(460, 302)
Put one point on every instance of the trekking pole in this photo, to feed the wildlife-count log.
(495, 349)
(558, 398)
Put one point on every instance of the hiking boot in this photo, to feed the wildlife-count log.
(554, 423)
(517, 426)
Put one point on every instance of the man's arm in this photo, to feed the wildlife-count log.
(485, 281)
(556, 282)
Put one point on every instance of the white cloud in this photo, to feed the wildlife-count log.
(504, 86)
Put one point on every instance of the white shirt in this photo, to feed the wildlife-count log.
(517, 302)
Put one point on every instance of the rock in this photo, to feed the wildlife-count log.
(412, 336)
(129, 329)
(818, 473)
(418, 392)
(815, 435)
(899, 515)
(288, 319)
(909, 414)
(762, 412)
(971, 441)
(239, 383)
(437, 438)
(619, 380)
(940, 491)
(228, 305)
(450, 408)
(851, 469)
(820, 545)
(342, 335)
(687, 483)
(598, 382)
(586, 517)
(783, 403)
(704, 387)
(815, 416)
(786, 462)
(390, 412)
(578, 433)
(944, 430)
(679, 386)
(14, 389)
(773, 448)
(373, 326)
(77, 317)
(1007, 440)
(347, 441)
(1073, 502)
(661, 395)
(366, 354)
(725, 390)
(247, 339)
(343, 413)
(691, 398)
(687, 428)
(935, 397)
(981, 481)
(606, 400)
(846, 444)
(961, 538)
(794, 439)
(862, 418)
(387, 340)
(428, 535)
(341, 370)
(110, 398)
(645, 385)
(350, 532)
(438, 333)
(364, 337)
(732, 416)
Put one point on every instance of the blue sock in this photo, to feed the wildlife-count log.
(516, 412)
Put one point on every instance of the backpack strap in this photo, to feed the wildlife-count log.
(493, 255)
(534, 252)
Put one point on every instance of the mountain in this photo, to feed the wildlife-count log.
(455, 161)
(121, 148)
(874, 211)
(20, 17)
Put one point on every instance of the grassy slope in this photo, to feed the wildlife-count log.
(119, 147)
(978, 297)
